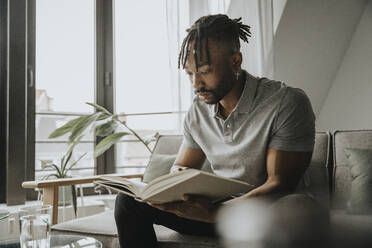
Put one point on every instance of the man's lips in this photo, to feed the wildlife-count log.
(203, 95)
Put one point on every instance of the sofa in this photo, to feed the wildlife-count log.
(328, 179)
(348, 230)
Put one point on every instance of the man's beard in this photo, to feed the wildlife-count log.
(217, 94)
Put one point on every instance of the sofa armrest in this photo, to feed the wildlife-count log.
(50, 188)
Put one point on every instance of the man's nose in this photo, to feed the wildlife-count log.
(196, 81)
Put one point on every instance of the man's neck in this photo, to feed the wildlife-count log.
(229, 102)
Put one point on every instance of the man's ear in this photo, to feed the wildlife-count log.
(237, 60)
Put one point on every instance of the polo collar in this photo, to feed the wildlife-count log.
(246, 99)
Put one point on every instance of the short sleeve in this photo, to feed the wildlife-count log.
(188, 140)
(294, 126)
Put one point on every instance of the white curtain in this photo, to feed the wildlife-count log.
(178, 20)
(181, 14)
(258, 55)
(266, 28)
(200, 8)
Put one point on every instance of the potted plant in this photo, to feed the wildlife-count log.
(105, 125)
(67, 194)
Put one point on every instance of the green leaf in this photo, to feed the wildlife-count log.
(152, 138)
(74, 163)
(107, 142)
(65, 128)
(63, 166)
(50, 175)
(56, 168)
(81, 126)
(77, 141)
(106, 129)
(103, 116)
(50, 166)
(98, 107)
(68, 155)
(62, 160)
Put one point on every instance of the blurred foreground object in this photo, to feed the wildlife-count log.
(292, 221)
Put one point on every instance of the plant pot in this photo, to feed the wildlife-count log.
(64, 192)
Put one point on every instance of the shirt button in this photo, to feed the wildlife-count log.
(228, 125)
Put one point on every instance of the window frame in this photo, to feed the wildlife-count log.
(104, 91)
(103, 83)
(17, 120)
(18, 117)
(19, 61)
(3, 96)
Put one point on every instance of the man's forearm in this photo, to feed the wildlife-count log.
(270, 190)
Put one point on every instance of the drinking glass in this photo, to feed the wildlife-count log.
(35, 226)
(8, 232)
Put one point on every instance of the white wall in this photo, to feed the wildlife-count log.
(349, 102)
(248, 10)
(278, 8)
(310, 43)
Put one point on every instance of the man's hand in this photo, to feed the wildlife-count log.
(177, 168)
(192, 207)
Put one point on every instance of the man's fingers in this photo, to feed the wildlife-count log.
(194, 198)
(186, 197)
(177, 168)
(165, 206)
(159, 206)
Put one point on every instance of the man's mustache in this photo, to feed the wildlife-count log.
(202, 91)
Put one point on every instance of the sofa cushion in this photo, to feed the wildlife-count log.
(351, 230)
(360, 165)
(88, 224)
(341, 178)
(170, 144)
(158, 165)
(316, 178)
(106, 232)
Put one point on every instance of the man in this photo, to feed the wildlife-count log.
(251, 129)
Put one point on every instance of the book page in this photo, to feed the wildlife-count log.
(131, 184)
(168, 189)
(170, 178)
(167, 181)
(116, 187)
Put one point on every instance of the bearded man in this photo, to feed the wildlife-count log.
(252, 129)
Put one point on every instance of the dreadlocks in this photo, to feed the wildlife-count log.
(217, 27)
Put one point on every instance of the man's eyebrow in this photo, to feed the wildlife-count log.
(200, 65)
(203, 63)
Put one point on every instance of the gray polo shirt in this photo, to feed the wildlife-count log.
(268, 114)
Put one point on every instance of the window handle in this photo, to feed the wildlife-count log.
(108, 78)
(30, 77)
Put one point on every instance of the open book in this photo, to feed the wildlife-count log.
(171, 187)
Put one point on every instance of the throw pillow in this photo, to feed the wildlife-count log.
(360, 163)
(158, 165)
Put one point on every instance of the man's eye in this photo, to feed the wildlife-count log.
(205, 72)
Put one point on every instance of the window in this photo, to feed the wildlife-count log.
(73, 49)
(142, 76)
(64, 78)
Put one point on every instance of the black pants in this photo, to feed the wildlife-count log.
(134, 221)
(300, 218)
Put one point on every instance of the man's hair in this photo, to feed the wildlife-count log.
(216, 27)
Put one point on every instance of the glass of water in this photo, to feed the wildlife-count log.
(35, 226)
